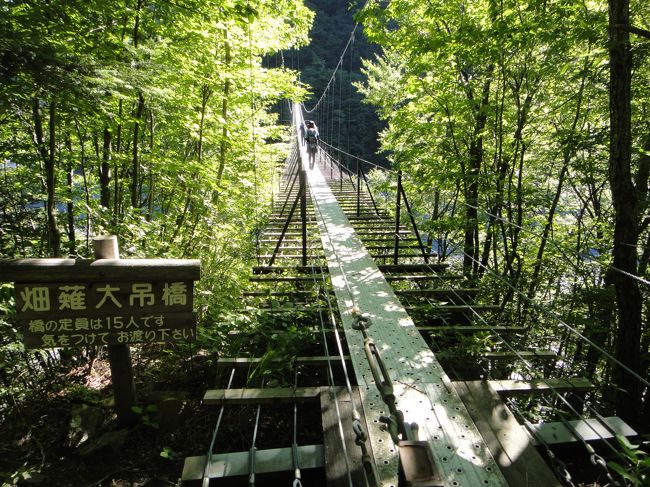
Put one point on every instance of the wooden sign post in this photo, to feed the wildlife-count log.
(119, 355)
(62, 303)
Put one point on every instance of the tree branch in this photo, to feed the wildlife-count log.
(640, 32)
(644, 224)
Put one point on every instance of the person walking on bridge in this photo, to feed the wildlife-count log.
(302, 133)
(312, 137)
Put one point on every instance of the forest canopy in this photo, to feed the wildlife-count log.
(529, 151)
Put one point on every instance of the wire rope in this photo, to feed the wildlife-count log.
(530, 367)
(330, 372)
(508, 345)
(543, 310)
(205, 481)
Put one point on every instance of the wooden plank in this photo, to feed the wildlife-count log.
(246, 361)
(275, 294)
(524, 354)
(76, 270)
(260, 396)
(390, 240)
(280, 256)
(310, 277)
(311, 329)
(436, 292)
(517, 458)
(297, 269)
(431, 267)
(283, 309)
(434, 330)
(399, 254)
(590, 429)
(513, 387)
(422, 277)
(432, 307)
(266, 461)
(336, 469)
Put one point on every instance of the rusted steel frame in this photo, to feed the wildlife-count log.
(303, 213)
(284, 229)
(415, 227)
(372, 198)
(398, 211)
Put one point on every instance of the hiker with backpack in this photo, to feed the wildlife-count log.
(312, 137)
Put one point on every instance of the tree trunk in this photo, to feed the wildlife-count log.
(105, 169)
(471, 245)
(72, 246)
(628, 338)
(135, 162)
(116, 174)
(223, 149)
(53, 234)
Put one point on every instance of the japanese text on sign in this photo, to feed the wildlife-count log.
(102, 296)
(103, 313)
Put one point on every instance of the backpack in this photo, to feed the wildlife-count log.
(311, 137)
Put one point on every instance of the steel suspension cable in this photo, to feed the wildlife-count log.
(205, 481)
(552, 314)
(526, 362)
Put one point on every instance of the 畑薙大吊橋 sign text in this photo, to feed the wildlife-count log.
(67, 303)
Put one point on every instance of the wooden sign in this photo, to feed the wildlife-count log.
(68, 303)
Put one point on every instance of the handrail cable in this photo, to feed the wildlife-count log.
(548, 313)
(526, 362)
(506, 221)
(339, 63)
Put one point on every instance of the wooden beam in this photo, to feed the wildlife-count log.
(310, 277)
(266, 461)
(513, 387)
(283, 309)
(297, 269)
(82, 270)
(260, 396)
(517, 458)
(435, 330)
(434, 307)
(335, 466)
(524, 354)
(422, 277)
(432, 267)
(280, 256)
(246, 361)
(589, 429)
(436, 292)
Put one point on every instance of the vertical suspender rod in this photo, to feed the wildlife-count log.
(425, 254)
(398, 210)
(303, 213)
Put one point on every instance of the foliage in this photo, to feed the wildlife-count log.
(638, 473)
(498, 115)
(344, 121)
(153, 121)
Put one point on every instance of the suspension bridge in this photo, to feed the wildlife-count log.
(361, 281)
